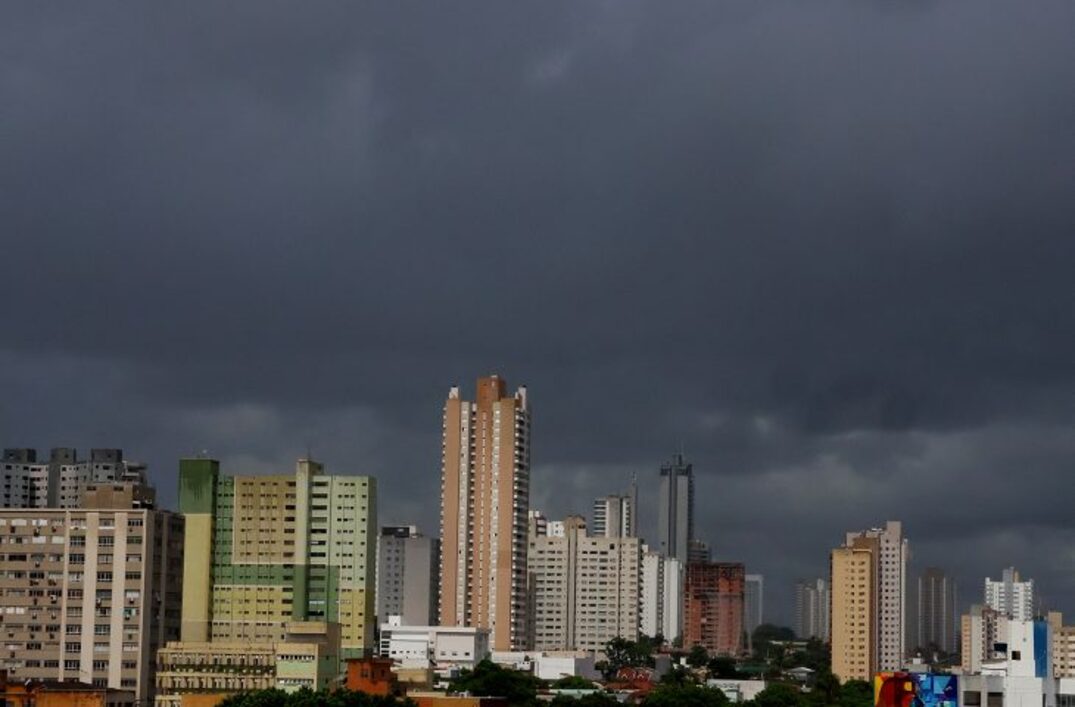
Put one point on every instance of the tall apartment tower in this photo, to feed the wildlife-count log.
(1011, 596)
(675, 513)
(753, 603)
(485, 498)
(854, 609)
(891, 582)
(661, 595)
(60, 481)
(408, 566)
(615, 516)
(937, 625)
(713, 607)
(263, 552)
(90, 593)
(583, 589)
(812, 603)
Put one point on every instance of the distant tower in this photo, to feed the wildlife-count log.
(938, 623)
(615, 516)
(675, 514)
(485, 498)
(1011, 596)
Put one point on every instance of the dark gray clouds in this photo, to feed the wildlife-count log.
(826, 245)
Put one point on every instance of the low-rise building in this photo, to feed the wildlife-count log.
(439, 647)
(60, 693)
(308, 658)
(550, 665)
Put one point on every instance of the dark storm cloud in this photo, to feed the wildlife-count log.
(826, 246)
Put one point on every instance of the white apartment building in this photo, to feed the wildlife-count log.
(615, 516)
(583, 590)
(60, 481)
(89, 594)
(1011, 596)
(661, 595)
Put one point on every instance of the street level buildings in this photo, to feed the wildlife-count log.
(89, 594)
(1011, 595)
(485, 497)
(713, 607)
(675, 510)
(408, 575)
(583, 590)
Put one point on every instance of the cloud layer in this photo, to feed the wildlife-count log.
(825, 246)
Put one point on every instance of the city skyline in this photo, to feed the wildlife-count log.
(805, 243)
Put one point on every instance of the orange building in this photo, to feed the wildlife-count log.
(60, 693)
(485, 497)
(713, 607)
(371, 675)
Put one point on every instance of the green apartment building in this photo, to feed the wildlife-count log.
(266, 552)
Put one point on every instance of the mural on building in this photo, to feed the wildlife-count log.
(915, 690)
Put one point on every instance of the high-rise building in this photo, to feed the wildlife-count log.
(1011, 596)
(90, 593)
(891, 588)
(713, 607)
(1063, 646)
(615, 516)
(266, 552)
(583, 590)
(981, 630)
(408, 572)
(812, 604)
(661, 595)
(485, 497)
(937, 625)
(675, 512)
(698, 551)
(853, 578)
(60, 482)
(753, 603)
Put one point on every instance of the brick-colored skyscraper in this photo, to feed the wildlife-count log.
(485, 497)
(713, 610)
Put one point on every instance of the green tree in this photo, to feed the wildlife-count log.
(491, 680)
(596, 699)
(698, 656)
(309, 698)
(573, 682)
(684, 696)
(779, 695)
(856, 693)
(621, 653)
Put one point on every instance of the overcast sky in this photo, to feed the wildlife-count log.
(827, 247)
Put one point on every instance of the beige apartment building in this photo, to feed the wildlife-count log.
(583, 590)
(485, 497)
(854, 609)
(89, 594)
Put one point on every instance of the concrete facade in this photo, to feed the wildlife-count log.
(661, 596)
(265, 551)
(583, 590)
(60, 481)
(89, 594)
(675, 509)
(812, 604)
(753, 603)
(408, 575)
(936, 620)
(485, 499)
(1011, 595)
(890, 585)
(854, 611)
(713, 607)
